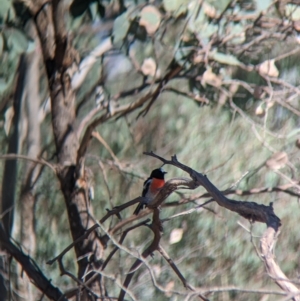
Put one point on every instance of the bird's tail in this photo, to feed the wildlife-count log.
(138, 208)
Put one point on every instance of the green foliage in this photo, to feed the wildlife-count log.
(121, 27)
(7, 13)
(176, 7)
(16, 41)
(225, 59)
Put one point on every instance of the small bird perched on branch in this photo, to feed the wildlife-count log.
(151, 187)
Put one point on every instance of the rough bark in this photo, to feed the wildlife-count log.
(33, 143)
(30, 268)
(59, 60)
(10, 167)
(9, 181)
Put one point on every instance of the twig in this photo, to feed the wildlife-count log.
(249, 210)
(176, 270)
(187, 211)
(89, 61)
(171, 74)
(22, 157)
(114, 211)
(156, 228)
(31, 269)
(69, 247)
(123, 236)
(96, 135)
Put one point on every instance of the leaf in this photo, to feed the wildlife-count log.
(156, 269)
(93, 10)
(149, 67)
(292, 12)
(176, 7)
(175, 235)
(262, 5)
(139, 51)
(297, 25)
(260, 111)
(163, 57)
(150, 19)
(3, 85)
(211, 78)
(6, 11)
(199, 24)
(239, 33)
(220, 5)
(226, 59)
(209, 10)
(268, 68)
(196, 20)
(1, 44)
(120, 28)
(16, 40)
(169, 288)
(278, 160)
(8, 116)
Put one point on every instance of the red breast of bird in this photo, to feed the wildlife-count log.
(155, 187)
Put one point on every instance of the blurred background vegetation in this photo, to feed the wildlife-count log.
(229, 112)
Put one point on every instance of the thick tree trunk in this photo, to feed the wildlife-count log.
(9, 181)
(33, 143)
(58, 62)
(10, 167)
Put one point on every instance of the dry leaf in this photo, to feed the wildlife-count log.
(169, 288)
(175, 235)
(8, 116)
(150, 18)
(268, 68)
(260, 111)
(211, 78)
(297, 25)
(198, 58)
(156, 269)
(149, 67)
(209, 10)
(270, 104)
(277, 161)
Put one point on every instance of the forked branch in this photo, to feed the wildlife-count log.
(251, 211)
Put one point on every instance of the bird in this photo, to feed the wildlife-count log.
(151, 187)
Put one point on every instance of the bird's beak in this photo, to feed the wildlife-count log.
(164, 172)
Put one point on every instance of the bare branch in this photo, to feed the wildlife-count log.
(249, 210)
(267, 243)
(165, 255)
(38, 161)
(156, 229)
(31, 269)
(88, 62)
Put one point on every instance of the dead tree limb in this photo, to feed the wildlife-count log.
(31, 268)
(254, 213)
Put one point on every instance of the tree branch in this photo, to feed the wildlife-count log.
(22, 157)
(249, 210)
(31, 269)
